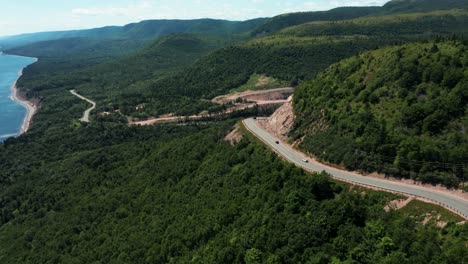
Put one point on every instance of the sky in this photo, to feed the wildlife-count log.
(17, 17)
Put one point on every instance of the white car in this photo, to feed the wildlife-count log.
(305, 160)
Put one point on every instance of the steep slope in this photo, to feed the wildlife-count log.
(277, 23)
(399, 110)
(119, 194)
(84, 47)
(292, 58)
(412, 6)
(117, 84)
(148, 29)
(106, 192)
(292, 19)
(401, 26)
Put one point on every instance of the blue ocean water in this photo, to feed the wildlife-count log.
(12, 113)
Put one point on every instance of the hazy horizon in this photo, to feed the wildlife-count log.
(53, 15)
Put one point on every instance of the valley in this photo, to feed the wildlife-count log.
(333, 136)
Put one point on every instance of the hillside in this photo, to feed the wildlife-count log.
(148, 29)
(388, 96)
(86, 47)
(292, 19)
(397, 26)
(121, 82)
(292, 55)
(182, 75)
(283, 21)
(288, 57)
(397, 110)
(181, 193)
(413, 6)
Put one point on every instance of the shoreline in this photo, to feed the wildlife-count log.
(31, 108)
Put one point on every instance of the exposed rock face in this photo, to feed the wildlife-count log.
(234, 136)
(280, 123)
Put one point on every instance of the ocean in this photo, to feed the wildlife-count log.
(12, 113)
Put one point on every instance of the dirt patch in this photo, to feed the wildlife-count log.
(255, 96)
(262, 81)
(239, 101)
(280, 123)
(397, 204)
(441, 224)
(234, 136)
(428, 218)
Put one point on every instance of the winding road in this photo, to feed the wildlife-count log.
(453, 203)
(86, 113)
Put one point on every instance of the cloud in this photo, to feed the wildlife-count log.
(358, 2)
(99, 11)
(130, 10)
(327, 5)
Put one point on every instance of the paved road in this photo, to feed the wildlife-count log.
(451, 202)
(86, 113)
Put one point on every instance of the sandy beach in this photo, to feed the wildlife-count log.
(30, 106)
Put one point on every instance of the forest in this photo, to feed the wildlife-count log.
(396, 110)
(179, 73)
(380, 92)
(170, 194)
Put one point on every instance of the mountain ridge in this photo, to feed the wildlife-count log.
(147, 29)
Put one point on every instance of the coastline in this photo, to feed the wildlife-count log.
(31, 108)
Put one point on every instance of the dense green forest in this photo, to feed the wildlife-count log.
(277, 23)
(180, 72)
(292, 19)
(144, 30)
(123, 79)
(285, 57)
(403, 26)
(413, 6)
(107, 192)
(399, 110)
(170, 194)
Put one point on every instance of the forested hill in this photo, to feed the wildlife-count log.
(413, 6)
(107, 192)
(401, 26)
(277, 23)
(399, 110)
(120, 83)
(291, 55)
(148, 29)
(287, 20)
(84, 47)
(291, 58)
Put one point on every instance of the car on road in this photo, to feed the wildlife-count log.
(277, 141)
(305, 160)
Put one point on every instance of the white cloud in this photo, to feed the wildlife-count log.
(327, 5)
(130, 10)
(337, 3)
(99, 11)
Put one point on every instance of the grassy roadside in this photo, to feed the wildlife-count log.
(429, 212)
